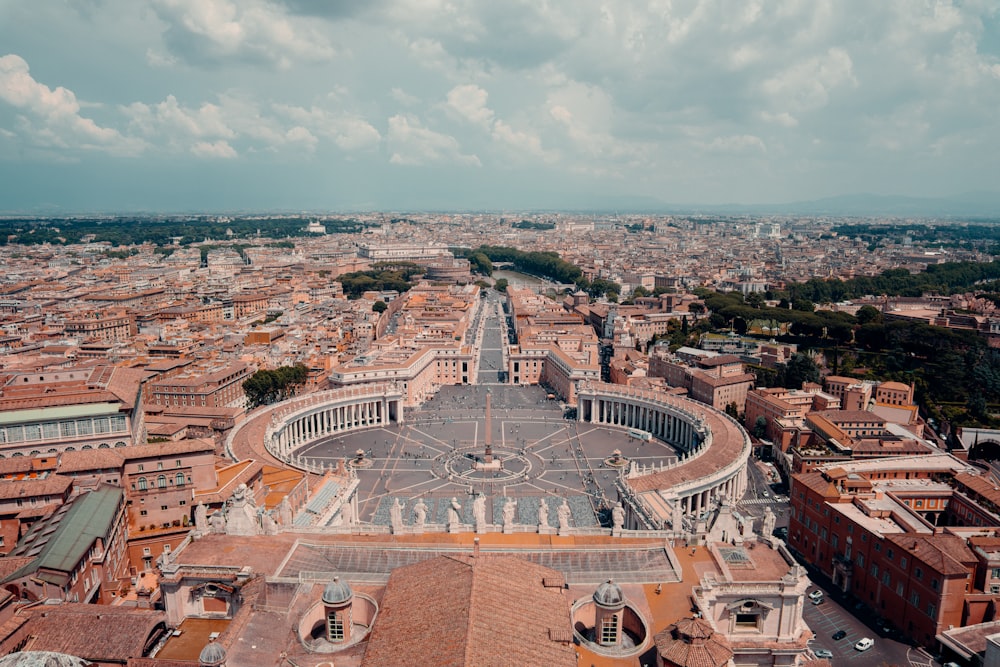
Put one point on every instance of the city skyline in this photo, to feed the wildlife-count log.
(291, 105)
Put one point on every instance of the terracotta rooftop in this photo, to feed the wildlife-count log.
(728, 440)
(945, 554)
(104, 634)
(458, 598)
(692, 642)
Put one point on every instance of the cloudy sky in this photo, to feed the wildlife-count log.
(183, 105)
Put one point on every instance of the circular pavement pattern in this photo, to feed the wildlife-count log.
(440, 453)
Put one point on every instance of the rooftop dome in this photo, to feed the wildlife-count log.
(691, 642)
(609, 594)
(337, 592)
(41, 659)
(212, 655)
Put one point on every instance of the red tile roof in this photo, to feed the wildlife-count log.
(464, 610)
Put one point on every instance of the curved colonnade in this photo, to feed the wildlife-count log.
(713, 450)
(712, 447)
(299, 421)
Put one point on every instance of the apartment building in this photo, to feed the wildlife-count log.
(76, 553)
(895, 534)
(216, 386)
(71, 408)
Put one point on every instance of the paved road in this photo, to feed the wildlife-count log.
(491, 365)
(829, 617)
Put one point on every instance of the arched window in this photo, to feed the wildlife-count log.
(161, 482)
(179, 480)
(142, 484)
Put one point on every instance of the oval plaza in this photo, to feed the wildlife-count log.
(668, 460)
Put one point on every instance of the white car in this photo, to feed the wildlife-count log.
(864, 644)
(823, 653)
(816, 595)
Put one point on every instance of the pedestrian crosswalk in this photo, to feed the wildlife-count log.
(760, 501)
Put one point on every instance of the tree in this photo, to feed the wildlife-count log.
(868, 315)
(697, 308)
(804, 305)
(798, 370)
(755, 299)
(379, 307)
(760, 428)
(265, 386)
(500, 285)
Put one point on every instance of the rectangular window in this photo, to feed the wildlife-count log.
(833, 541)
(118, 424)
(32, 432)
(902, 562)
(101, 425)
(918, 573)
(68, 429)
(142, 512)
(335, 627)
(875, 570)
(84, 426)
(996, 573)
(163, 507)
(50, 430)
(932, 610)
(899, 589)
(746, 621)
(878, 546)
(885, 578)
(915, 599)
(609, 630)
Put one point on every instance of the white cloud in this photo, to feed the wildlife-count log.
(54, 118)
(214, 150)
(523, 142)
(348, 132)
(412, 144)
(469, 102)
(157, 59)
(781, 118)
(250, 29)
(806, 86)
(404, 97)
(743, 143)
(171, 119)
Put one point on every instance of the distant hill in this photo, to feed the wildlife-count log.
(968, 205)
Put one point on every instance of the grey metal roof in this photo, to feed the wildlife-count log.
(88, 517)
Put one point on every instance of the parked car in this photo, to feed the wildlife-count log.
(864, 644)
(816, 594)
(823, 654)
(818, 600)
(838, 635)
